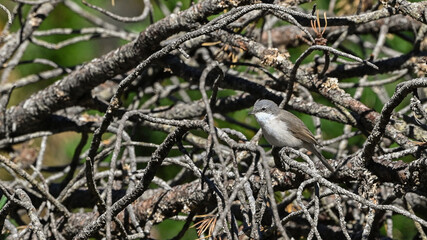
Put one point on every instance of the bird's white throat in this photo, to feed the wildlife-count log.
(264, 118)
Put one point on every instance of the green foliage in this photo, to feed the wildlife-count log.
(403, 228)
(3, 201)
(170, 228)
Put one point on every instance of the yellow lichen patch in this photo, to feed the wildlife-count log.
(158, 217)
(420, 67)
(272, 56)
(331, 83)
(186, 209)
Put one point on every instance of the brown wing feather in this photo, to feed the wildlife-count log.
(297, 127)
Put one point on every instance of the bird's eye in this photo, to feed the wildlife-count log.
(263, 108)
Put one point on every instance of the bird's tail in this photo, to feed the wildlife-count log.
(316, 152)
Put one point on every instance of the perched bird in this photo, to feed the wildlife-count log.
(281, 128)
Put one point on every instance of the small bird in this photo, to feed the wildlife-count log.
(281, 128)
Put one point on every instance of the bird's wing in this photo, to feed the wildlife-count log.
(294, 124)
